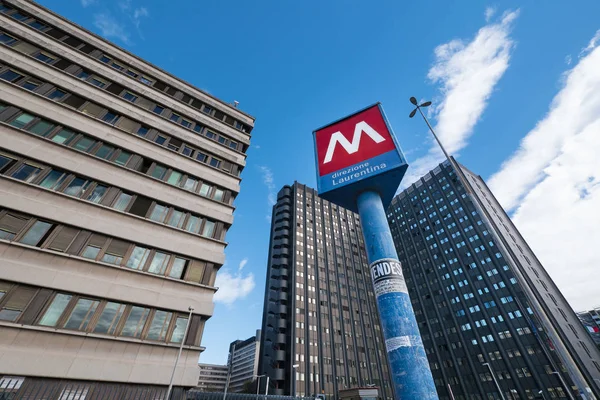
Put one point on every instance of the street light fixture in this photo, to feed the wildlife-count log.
(495, 381)
(258, 383)
(512, 393)
(187, 328)
(541, 392)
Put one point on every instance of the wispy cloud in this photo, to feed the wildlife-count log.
(138, 14)
(568, 59)
(594, 41)
(243, 264)
(552, 182)
(467, 73)
(86, 3)
(233, 286)
(269, 181)
(111, 28)
(489, 13)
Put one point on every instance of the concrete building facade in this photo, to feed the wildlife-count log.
(117, 183)
(320, 329)
(487, 309)
(243, 359)
(213, 378)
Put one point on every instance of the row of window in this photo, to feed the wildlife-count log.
(96, 192)
(43, 307)
(124, 123)
(65, 136)
(45, 234)
(120, 66)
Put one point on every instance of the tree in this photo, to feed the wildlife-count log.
(249, 387)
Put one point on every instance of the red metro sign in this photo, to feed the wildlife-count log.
(356, 153)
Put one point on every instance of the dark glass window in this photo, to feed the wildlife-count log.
(215, 163)
(84, 144)
(44, 58)
(31, 85)
(142, 131)
(130, 97)
(35, 234)
(20, 17)
(110, 117)
(56, 94)
(158, 109)
(10, 76)
(104, 59)
(26, 173)
(160, 139)
(22, 120)
(37, 25)
(6, 39)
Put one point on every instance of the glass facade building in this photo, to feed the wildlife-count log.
(473, 282)
(319, 312)
(243, 362)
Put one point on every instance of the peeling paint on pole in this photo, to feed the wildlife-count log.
(359, 167)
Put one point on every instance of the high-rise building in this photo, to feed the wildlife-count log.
(320, 329)
(213, 378)
(591, 321)
(488, 312)
(117, 183)
(243, 358)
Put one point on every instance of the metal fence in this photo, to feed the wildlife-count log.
(196, 395)
(25, 388)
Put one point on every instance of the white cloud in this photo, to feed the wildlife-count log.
(591, 45)
(243, 264)
(489, 13)
(86, 3)
(468, 74)
(138, 14)
(553, 183)
(268, 180)
(111, 28)
(568, 59)
(233, 287)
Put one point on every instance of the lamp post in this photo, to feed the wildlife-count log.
(294, 377)
(564, 385)
(541, 392)
(230, 367)
(450, 391)
(495, 381)
(512, 393)
(187, 327)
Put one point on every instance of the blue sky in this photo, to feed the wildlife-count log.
(507, 79)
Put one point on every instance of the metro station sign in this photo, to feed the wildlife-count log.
(358, 153)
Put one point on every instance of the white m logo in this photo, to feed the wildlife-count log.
(351, 147)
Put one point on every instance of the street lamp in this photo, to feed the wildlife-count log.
(541, 392)
(495, 381)
(294, 378)
(564, 384)
(512, 393)
(187, 327)
(258, 384)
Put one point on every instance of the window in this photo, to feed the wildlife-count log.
(159, 213)
(41, 128)
(175, 178)
(130, 97)
(159, 263)
(209, 228)
(22, 120)
(201, 156)
(159, 172)
(179, 331)
(158, 109)
(82, 314)
(215, 163)
(122, 158)
(55, 310)
(31, 85)
(207, 109)
(10, 76)
(64, 136)
(84, 144)
(233, 145)
(190, 184)
(176, 218)
(178, 268)
(6, 39)
(83, 74)
(210, 135)
(77, 187)
(35, 234)
(159, 325)
(222, 140)
(143, 130)
(109, 318)
(135, 322)
(186, 123)
(145, 81)
(97, 82)
(122, 202)
(138, 258)
(6, 161)
(187, 151)
(26, 173)
(115, 252)
(204, 189)
(193, 224)
(110, 117)
(17, 300)
(104, 59)
(10, 225)
(174, 117)
(43, 57)
(105, 151)
(218, 195)
(160, 140)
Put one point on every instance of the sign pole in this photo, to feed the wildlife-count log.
(359, 167)
(406, 355)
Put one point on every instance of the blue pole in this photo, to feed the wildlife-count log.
(406, 355)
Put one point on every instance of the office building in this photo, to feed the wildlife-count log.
(213, 378)
(477, 288)
(117, 183)
(591, 321)
(243, 358)
(321, 331)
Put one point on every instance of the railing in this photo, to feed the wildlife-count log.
(25, 388)
(196, 395)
